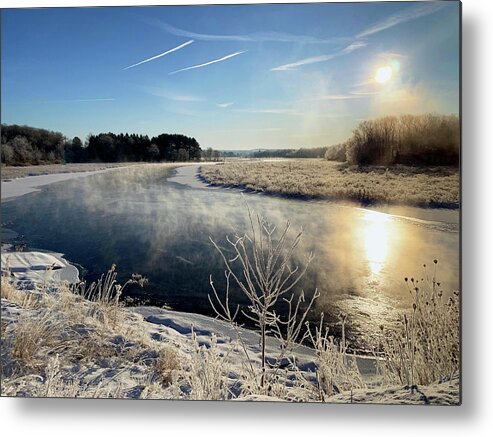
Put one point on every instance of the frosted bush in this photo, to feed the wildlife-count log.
(424, 346)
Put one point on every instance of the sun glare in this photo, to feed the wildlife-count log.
(376, 238)
(383, 74)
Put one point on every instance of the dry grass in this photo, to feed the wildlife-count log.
(34, 337)
(435, 187)
(9, 292)
(43, 345)
(337, 370)
(165, 364)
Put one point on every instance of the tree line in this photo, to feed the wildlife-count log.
(25, 145)
(428, 139)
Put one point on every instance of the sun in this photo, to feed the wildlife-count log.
(383, 74)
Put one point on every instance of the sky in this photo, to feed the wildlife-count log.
(234, 77)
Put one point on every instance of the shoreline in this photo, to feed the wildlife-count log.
(325, 181)
(9, 173)
(453, 206)
(14, 188)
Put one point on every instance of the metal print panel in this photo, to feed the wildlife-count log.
(237, 202)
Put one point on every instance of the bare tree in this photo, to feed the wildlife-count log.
(262, 268)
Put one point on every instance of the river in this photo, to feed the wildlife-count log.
(144, 222)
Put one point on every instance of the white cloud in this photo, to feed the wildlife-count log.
(173, 95)
(268, 111)
(337, 97)
(290, 111)
(225, 105)
(268, 129)
(251, 37)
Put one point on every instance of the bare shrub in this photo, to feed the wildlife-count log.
(337, 152)
(427, 139)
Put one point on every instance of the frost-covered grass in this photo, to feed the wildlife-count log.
(424, 346)
(435, 187)
(59, 344)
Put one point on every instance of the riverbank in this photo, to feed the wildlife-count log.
(26, 183)
(11, 172)
(319, 179)
(29, 179)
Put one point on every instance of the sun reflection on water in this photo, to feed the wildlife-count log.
(376, 238)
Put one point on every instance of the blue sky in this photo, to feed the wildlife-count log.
(262, 75)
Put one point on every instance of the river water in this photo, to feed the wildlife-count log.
(139, 220)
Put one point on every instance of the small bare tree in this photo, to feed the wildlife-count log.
(262, 268)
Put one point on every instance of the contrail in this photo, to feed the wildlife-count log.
(426, 8)
(323, 58)
(162, 54)
(209, 63)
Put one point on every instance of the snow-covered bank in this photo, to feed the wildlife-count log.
(190, 176)
(150, 352)
(187, 176)
(31, 268)
(445, 392)
(18, 187)
(60, 344)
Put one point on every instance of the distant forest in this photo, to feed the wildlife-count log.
(24, 145)
(317, 152)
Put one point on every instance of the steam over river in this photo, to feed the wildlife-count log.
(144, 223)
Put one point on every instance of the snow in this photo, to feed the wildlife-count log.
(30, 268)
(29, 184)
(189, 176)
(444, 392)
